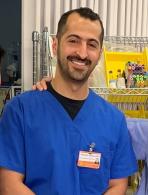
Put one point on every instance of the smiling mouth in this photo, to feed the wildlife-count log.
(78, 61)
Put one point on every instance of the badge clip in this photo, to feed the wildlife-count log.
(91, 147)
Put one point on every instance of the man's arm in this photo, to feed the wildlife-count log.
(11, 183)
(117, 187)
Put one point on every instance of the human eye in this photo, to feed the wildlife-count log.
(73, 40)
(93, 44)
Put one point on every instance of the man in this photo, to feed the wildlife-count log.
(66, 140)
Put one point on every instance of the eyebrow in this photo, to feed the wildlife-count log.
(76, 36)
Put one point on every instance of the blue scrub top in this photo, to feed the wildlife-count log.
(40, 140)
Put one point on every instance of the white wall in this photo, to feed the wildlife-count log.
(28, 25)
(120, 18)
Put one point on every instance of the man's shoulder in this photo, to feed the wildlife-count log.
(27, 97)
(105, 106)
(31, 94)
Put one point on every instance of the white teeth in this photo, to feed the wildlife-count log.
(79, 63)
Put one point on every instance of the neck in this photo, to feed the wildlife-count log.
(70, 89)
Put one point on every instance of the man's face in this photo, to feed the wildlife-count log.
(79, 49)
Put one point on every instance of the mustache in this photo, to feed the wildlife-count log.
(78, 58)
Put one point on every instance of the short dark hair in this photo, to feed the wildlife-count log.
(84, 12)
(2, 53)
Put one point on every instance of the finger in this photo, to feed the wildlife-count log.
(44, 80)
(47, 79)
(43, 84)
(38, 86)
(34, 87)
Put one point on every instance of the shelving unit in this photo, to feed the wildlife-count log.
(134, 43)
(115, 60)
(132, 101)
(119, 51)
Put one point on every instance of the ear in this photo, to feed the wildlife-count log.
(54, 46)
(101, 51)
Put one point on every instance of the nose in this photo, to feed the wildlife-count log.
(82, 50)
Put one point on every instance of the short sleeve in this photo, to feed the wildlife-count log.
(12, 137)
(124, 161)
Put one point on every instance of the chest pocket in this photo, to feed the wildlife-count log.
(95, 181)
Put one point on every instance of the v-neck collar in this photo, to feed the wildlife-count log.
(70, 105)
(81, 115)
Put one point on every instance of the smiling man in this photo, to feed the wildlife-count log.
(66, 140)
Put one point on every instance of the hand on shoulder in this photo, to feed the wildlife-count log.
(41, 85)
